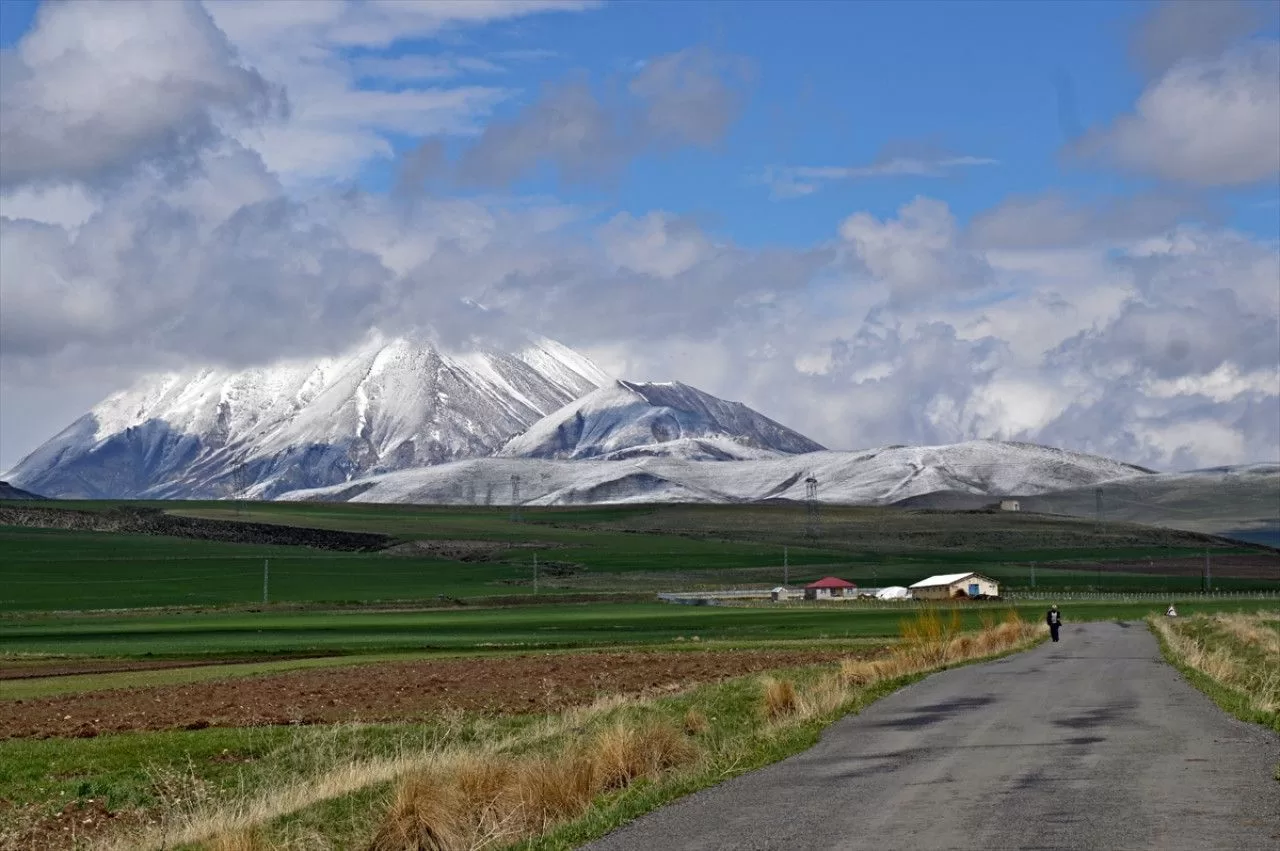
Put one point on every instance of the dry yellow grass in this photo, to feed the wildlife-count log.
(473, 797)
(695, 723)
(929, 641)
(1233, 650)
(240, 840)
(1249, 629)
(476, 801)
(778, 698)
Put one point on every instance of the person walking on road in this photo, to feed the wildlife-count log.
(1054, 620)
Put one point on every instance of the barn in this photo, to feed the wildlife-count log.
(829, 587)
(948, 585)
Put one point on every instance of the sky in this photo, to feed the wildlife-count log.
(878, 223)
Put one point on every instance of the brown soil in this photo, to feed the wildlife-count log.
(389, 692)
(30, 669)
(1252, 566)
(76, 824)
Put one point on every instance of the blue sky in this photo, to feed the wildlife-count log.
(876, 222)
(835, 84)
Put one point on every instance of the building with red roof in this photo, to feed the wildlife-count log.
(829, 587)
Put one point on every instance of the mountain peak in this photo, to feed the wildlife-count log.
(386, 404)
(626, 419)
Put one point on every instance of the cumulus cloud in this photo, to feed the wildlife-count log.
(690, 97)
(917, 255)
(1112, 327)
(1191, 29)
(1205, 122)
(174, 82)
(345, 107)
(1052, 220)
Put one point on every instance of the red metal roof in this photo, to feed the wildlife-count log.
(830, 582)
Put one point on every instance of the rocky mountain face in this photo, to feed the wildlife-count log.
(387, 405)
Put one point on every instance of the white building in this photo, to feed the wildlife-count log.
(948, 585)
(1010, 505)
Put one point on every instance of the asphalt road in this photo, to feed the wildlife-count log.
(1091, 743)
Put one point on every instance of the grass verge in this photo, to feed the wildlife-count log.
(565, 779)
(1233, 658)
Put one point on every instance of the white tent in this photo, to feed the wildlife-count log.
(893, 592)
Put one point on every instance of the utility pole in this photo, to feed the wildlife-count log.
(266, 578)
(1208, 582)
(786, 568)
(811, 505)
(535, 573)
(515, 498)
(1033, 574)
(1097, 497)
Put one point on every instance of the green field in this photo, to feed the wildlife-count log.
(500, 630)
(641, 549)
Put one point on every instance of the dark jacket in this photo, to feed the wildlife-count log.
(1053, 618)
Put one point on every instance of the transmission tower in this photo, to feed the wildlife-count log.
(515, 498)
(812, 518)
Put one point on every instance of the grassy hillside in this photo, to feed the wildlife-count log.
(479, 553)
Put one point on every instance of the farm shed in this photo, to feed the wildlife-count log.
(948, 585)
(779, 594)
(1010, 505)
(829, 587)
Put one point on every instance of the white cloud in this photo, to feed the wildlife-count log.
(1052, 220)
(1223, 384)
(339, 121)
(173, 82)
(797, 181)
(1112, 327)
(1176, 30)
(1206, 122)
(918, 254)
(689, 97)
(68, 205)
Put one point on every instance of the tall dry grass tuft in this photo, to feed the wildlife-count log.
(927, 637)
(624, 753)
(553, 789)
(426, 814)
(695, 723)
(778, 698)
(472, 802)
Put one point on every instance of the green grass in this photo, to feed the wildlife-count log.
(1241, 675)
(603, 549)
(516, 628)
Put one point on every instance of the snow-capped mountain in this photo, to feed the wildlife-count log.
(387, 405)
(870, 477)
(624, 420)
(8, 491)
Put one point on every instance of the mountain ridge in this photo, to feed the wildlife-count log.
(384, 405)
(627, 419)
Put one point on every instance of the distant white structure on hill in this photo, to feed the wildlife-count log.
(1010, 505)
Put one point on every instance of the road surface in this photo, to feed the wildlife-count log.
(1091, 743)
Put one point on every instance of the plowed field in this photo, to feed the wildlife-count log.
(389, 692)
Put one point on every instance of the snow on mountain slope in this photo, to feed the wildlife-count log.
(384, 406)
(870, 477)
(624, 420)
